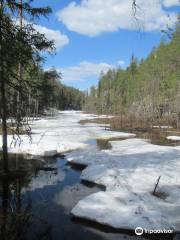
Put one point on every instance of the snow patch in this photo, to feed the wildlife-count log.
(163, 127)
(125, 209)
(63, 133)
(174, 138)
(129, 172)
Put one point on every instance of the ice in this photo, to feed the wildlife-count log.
(176, 138)
(163, 127)
(129, 171)
(59, 134)
(126, 210)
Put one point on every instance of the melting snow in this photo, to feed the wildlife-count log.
(61, 134)
(165, 127)
(176, 138)
(129, 172)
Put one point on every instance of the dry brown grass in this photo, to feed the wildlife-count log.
(142, 129)
(11, 128)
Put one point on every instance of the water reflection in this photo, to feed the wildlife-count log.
(14, 217)
(16, 214)
(37, 206)
(71, 195)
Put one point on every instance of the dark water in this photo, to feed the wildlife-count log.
(38, 205)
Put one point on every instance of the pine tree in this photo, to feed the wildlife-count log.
(19, 46)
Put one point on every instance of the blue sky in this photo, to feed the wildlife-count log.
(92, 36)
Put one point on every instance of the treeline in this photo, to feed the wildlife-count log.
(147, 91)
(43, 91)
(25, 89)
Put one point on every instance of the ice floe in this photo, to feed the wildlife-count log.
(129, 172)
(124, 209)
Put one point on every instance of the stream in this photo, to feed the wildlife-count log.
(38, 205)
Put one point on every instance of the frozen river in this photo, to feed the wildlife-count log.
(105, 194)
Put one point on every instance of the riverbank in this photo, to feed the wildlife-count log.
(157, 134)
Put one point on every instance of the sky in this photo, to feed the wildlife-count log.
(93, 36)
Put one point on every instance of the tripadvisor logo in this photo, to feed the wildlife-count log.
(139, 231)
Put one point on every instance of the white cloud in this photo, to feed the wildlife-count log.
(93, 17)
(60, 40)
(171, 3)
(83, 71)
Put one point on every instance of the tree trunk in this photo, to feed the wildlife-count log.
(3, 99)
(4, 125)
(19, 69)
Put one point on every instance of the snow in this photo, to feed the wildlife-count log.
(163, 127)
(129, 172)
(63, 133)
(123, 209)
(176, 138)
(104, 116)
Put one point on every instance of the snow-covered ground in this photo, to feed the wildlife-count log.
(60, 134)
(174, 138)
(129, 171)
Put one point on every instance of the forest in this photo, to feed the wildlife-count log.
(44, 91)
(111, 170)
(147, 91)
(28, 88)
